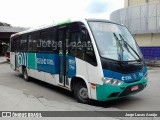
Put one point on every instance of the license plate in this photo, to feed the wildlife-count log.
(134, 88)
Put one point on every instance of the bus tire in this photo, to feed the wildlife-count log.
(81, 93)
(25, 74)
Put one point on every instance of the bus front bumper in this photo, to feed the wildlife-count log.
(107, 92)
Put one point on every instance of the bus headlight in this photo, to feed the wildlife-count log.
(146, 76)
(112, 81)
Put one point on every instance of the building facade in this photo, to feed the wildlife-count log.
(5, 33)
(142, 17)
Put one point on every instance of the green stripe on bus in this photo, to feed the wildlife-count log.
(64, 22)
(31, 60)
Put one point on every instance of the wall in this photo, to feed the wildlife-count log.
(137, 2)
(148, 39)
(149, 45)
(133, 2)
(153, 1)
(140, 19)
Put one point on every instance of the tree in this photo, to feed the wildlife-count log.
(4, 24)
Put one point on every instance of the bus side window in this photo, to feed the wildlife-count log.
(89, 54)
(76, 48)
(30, 43)
(33, 42)
(47, 41)
(23, 43)
(75, 41)
(15, 44)
(12, 45)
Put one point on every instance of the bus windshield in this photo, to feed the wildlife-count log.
(115, 42)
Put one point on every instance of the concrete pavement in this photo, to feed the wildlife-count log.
(16, 100)
(2, 59)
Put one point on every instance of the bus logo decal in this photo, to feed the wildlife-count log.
(134, 76)
(22, 59)
(71, 66)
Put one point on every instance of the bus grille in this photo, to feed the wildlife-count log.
(128, 91)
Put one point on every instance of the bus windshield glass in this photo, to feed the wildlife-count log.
(115, 42)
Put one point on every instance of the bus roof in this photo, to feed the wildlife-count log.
(61, 23)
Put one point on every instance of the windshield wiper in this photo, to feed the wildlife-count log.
(119, 45)
(126, 46)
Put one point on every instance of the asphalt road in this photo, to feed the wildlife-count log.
(148, 99)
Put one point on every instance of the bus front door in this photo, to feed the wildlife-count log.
(63, 56)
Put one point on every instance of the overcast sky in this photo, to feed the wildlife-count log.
(32, 13)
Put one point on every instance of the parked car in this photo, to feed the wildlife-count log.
(8, 54)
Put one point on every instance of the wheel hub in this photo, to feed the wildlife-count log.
(83, 93)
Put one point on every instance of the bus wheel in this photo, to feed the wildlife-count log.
(81, 93)
(25, 74)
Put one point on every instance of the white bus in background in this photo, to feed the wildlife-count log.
(96, 59)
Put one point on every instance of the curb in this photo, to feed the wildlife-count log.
(4, 62)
